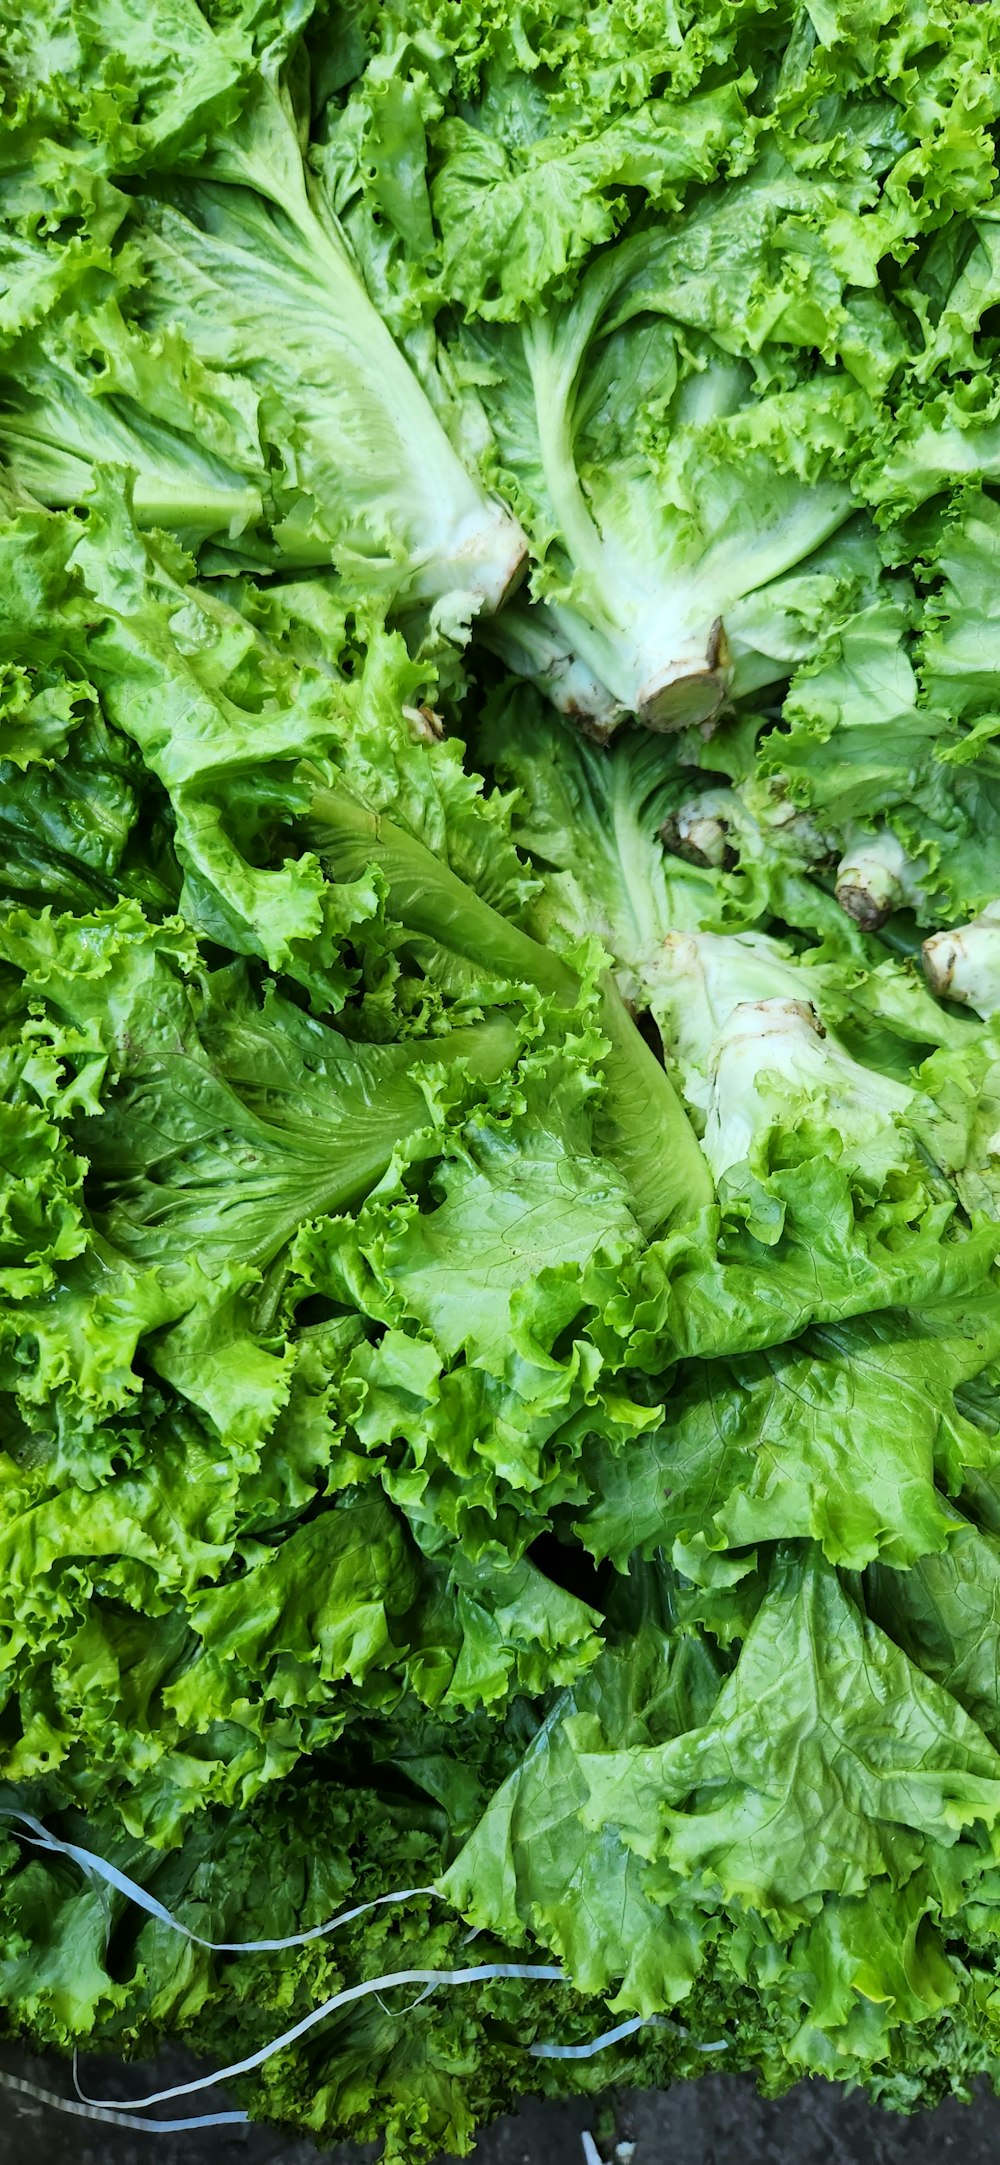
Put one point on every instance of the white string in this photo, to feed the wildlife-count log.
(119, 2119)
(32, 1831)
(608, 2037)
(411, 2004)
(99, 1867)
(485, 1972)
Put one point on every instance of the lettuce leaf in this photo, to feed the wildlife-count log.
(864, 1771)
(272, 401)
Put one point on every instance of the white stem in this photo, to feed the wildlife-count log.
(964, 964)
(875, 877)
(528, 639)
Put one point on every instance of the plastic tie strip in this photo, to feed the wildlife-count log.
(111, 2110)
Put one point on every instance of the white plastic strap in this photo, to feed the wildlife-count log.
(600, 2044)
(485, 1972)
(119, 2119)
(32, 1831)
(97, 1867)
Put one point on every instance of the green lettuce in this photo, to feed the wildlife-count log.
(706, 1811)
(708, 499)
(786, 1055)
(673, 308)
(804, 1441)
(499, 1339)
(269, 413)
(886, 740)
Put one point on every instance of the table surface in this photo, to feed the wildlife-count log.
(717, 2121)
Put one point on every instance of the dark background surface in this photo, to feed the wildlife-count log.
(717, 2121)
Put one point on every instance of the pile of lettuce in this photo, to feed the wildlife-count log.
(500, 1035)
